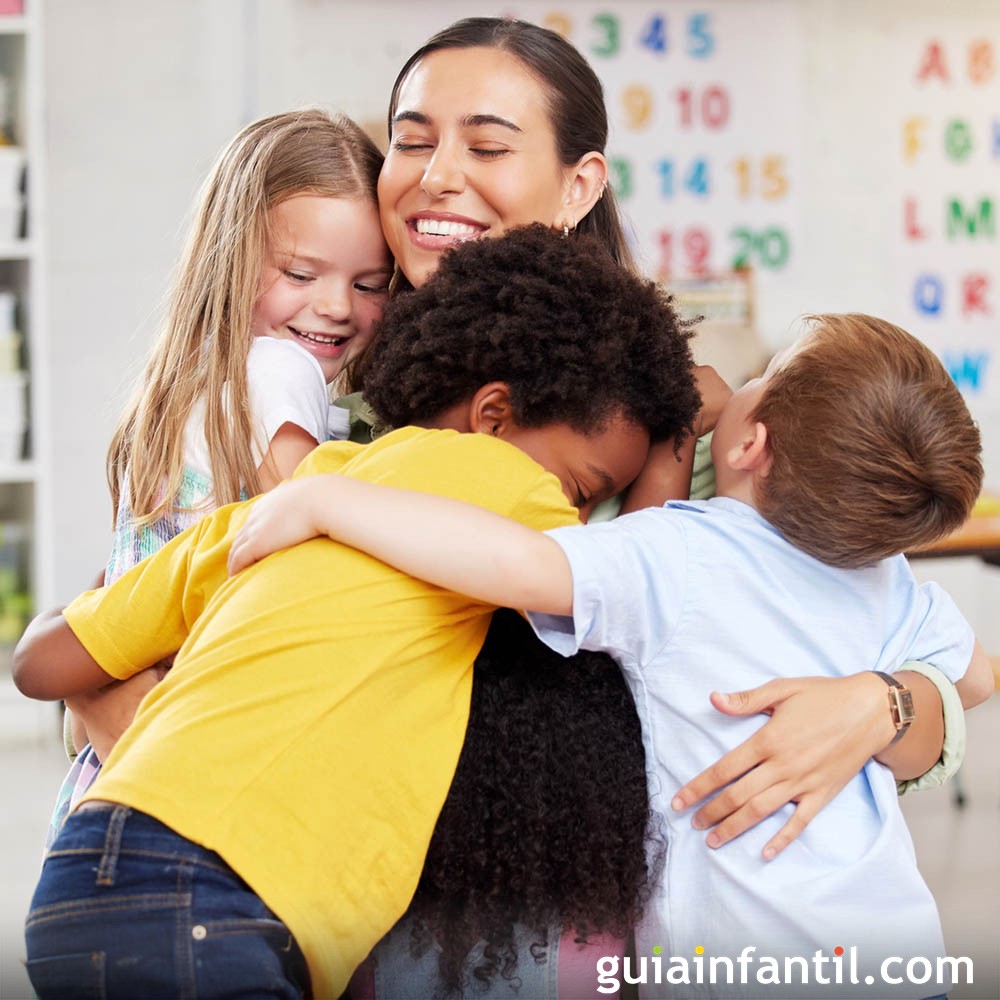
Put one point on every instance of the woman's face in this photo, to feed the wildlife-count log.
(472, 153)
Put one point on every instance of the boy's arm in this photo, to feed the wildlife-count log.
(447, 542)
(50, 662)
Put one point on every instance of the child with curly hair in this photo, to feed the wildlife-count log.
(855, 446)
(188, 866)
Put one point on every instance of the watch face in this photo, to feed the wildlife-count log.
(905, 702)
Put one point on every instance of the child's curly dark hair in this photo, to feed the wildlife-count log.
(547, 821)
(578, 339)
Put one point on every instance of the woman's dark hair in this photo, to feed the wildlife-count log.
(547, 820)
(575, 103)
(577, 338)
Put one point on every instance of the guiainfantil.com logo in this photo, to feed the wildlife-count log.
(840, 967)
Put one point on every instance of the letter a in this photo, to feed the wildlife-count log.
(933, 64)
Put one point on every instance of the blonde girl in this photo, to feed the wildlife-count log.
(281, 281)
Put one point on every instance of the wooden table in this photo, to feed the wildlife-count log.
(979, 536)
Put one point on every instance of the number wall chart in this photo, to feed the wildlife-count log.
(704, 108)
(947, 260)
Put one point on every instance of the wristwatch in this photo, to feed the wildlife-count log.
(900, 705)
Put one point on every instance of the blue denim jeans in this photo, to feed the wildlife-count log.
(127, 908)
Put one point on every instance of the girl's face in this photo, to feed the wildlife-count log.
(472, 154)
(325, 278)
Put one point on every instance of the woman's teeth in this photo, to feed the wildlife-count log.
(440, 227)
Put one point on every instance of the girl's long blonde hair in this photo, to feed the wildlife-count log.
(204, 342)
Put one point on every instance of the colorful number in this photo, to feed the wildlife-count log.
(696, 246)
(697, 249)
(769, 246)
(558, 22)
(773, 180)
(665, 168)
(696, 180)
(713, 106)
(655, 35)
(701, 42)
(638, 103)
(611, 43)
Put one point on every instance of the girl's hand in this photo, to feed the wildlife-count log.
(279, 519)
(821, 733)
(109, 711)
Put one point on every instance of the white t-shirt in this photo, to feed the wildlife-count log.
(286, 385)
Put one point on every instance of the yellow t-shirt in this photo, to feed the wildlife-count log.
(311, 724)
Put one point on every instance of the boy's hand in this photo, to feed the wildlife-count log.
(822, 732)
(289, 514)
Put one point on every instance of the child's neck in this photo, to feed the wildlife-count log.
(736, 486)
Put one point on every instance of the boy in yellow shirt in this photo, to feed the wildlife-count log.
(196, 868)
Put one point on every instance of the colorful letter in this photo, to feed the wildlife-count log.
(974, 289)
(933, 64)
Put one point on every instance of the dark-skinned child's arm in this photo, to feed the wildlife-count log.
(50, 662)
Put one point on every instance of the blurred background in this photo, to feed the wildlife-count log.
(776, 158)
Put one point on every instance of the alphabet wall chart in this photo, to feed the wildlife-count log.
(947, 265)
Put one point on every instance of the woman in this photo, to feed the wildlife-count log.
(496, 123)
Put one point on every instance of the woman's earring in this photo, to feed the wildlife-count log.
(565, 230)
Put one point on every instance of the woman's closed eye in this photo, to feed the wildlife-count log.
(297, 276)
(413, 145)
(488, 153)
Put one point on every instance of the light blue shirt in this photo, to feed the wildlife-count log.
(706, 595)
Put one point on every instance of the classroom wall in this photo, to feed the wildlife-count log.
(141, 96)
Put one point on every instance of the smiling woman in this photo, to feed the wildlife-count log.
(473, 153)
(494, 123)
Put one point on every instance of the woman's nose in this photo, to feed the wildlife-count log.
(443, 175)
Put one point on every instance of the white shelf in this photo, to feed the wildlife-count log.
(14, 24)
(17, 250)
(18, 472)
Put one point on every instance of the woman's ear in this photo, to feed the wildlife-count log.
(585, 182)
(490, 410)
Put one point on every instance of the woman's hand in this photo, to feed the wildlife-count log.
(821, 733)
(109, 711)
(289, 514)
(715, 394)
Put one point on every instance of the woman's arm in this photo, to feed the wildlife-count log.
(821, 733)
(667, 472)
(665, 476)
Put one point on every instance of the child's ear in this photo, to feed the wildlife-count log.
(752, 454)
(585, 184)
(490, 411)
